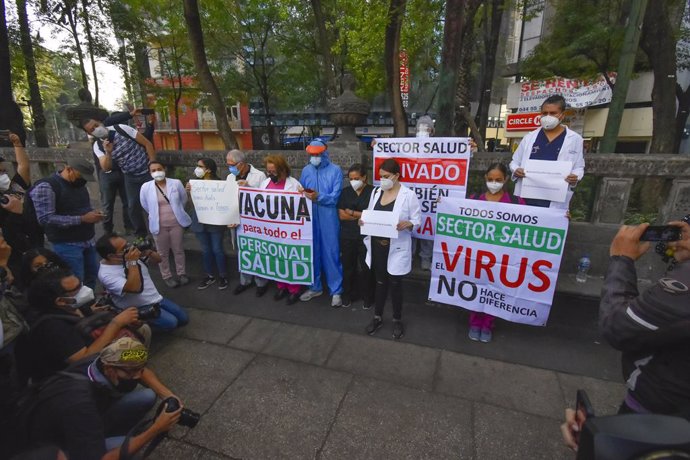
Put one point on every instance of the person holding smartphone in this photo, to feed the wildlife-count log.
(650, 329)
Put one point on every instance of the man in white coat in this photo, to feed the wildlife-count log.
(552, 142)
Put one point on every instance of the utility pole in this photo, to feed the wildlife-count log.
(633, 31)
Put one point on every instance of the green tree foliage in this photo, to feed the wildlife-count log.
(585, 39)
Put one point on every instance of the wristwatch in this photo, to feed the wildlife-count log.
(132, 263)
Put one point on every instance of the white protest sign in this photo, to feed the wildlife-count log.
(432, 167)
(578, 94)
(215, 201)
(379, 223)
(545, 180)
(274, 239)
(498, 258)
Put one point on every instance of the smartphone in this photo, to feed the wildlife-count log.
(661, 233)
(147, 111)
(583, 411)
(309, 190)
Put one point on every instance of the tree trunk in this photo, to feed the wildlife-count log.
(208, 84)
(90, 48)
(39, 119)
(467, 55)
(10, 114)
(450, 59)
(396, 11)
(126, 73)
(491, 31)
(324, 44)
(681, 116)
(659, 44)
(177, 95)
(143, 71)
(77, 45)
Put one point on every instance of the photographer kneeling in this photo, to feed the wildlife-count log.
(92, 408)
(125, 276)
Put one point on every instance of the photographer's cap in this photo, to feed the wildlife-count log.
(125, 352)
(84, 167)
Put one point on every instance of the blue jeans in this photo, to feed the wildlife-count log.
(172, 316)
(136, 212)
(111, 185)
(212, 250)
(82, 261)
(125, 413)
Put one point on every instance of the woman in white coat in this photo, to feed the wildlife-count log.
(552, 142)
(164, 200)
(391, 258)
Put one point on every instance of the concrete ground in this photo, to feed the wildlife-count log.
(304, 381)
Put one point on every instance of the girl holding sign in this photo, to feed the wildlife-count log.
(391, 258)
(497, 175)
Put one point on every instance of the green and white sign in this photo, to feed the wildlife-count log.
(274, 238)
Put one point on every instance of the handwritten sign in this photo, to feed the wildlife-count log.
(216, 201)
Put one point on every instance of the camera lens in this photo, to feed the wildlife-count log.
(189, 418)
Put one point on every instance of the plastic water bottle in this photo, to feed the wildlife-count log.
(582, 269)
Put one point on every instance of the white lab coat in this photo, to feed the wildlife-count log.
(291, 184)
(400, 253)
(570, 151)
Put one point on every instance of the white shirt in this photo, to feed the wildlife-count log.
(113, 279)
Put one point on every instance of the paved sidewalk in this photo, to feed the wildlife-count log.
(270, 389)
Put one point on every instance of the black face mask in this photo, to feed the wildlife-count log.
(79, 182)
(275, 179)
(126, 386)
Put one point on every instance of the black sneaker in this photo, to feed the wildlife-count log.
(261, 290)
(374, 326)
(222, 283)
(398, 329)
(239, 289)
(209, 280)
(345, 301)
(280, 294)
(293, 298)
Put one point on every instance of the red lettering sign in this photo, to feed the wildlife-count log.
(429, 171)
(522, 121)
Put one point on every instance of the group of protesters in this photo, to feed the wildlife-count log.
(58, 333)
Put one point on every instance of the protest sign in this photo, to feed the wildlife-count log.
(545, 180)
(433, 167)
(577, 93)
(215, 201)
(274, 238)
(497, 258)
(379, 223)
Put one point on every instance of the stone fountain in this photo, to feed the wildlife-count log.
(346, 112)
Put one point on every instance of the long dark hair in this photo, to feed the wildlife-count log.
(211, 165)
(501, 167)
(26, 275)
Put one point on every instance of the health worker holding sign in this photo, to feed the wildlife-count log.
(391, 258)
(552, 142)
(322, 183)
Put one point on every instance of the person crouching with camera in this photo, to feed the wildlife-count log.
(125, 276)
(92, 408)
(652, 329)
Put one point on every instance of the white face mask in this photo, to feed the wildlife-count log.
(5, 182)
(316, 161)
(387, 184)
(83, 297)
(100, 132)
(199, 172)
(356, 184)
(549, 122)
(494, 187)
(158, 175)
(423, 131)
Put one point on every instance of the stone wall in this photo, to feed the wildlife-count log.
(616, 175)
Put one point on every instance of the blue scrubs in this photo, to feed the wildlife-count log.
(542, 149)
(327, 179)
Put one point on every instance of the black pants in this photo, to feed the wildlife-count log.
(358, 279)
(384, 280)
(113, 184)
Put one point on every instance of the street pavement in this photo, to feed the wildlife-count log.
(304, 381)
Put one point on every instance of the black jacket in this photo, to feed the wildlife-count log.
(652, 330)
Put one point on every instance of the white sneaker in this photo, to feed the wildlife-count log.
(309, 294)
(337, 301)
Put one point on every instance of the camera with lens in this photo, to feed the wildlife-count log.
(149, 312)
(188, 418)
(4, 199)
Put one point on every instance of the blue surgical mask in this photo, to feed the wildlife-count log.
(315, 161)
(233, 170)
